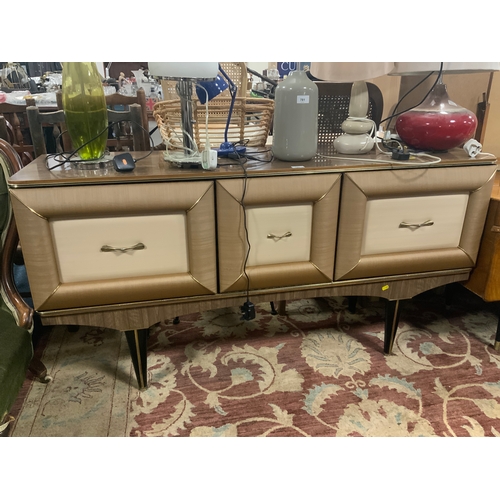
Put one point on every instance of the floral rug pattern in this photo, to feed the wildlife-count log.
(318, 371)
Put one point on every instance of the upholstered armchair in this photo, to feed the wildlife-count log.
(16, 316)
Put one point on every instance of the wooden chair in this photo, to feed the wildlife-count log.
(6, 130)
(237, 71)
(120, 102)
(134, 142)
(333, 109)
(15, 129)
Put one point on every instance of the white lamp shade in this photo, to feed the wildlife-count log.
(419, 68)
(184, 70)
(344, 72)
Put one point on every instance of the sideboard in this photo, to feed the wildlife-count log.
(128, 250)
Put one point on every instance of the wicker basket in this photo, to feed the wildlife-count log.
(250, 121)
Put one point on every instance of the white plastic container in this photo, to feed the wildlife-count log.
(295, 130)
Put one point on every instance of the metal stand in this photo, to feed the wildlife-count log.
(185, 91)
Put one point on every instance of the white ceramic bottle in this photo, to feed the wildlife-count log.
(295, 130)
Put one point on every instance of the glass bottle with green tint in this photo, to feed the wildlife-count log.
(85, 109)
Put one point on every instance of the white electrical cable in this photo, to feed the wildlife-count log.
(193, 156)
(385, 162)
(373, 134)
(489, 155)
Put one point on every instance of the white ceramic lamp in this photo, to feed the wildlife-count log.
(357, 137)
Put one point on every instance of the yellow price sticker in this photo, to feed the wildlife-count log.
(385, 287)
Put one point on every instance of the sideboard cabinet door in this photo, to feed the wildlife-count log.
(110, 244)
(277, 231)
(406, 221)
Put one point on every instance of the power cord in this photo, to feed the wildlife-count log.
(66, 157)
(244, 157)
(248, 308)
(397, 150)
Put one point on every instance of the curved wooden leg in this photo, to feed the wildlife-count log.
(392, 310)
(137, 342)
(5, 426)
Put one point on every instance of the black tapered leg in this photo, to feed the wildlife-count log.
(497, 336)
(392, 310)
(137, 342)
(449, 295)
(274, 312)
(282, 307)
(352, 301)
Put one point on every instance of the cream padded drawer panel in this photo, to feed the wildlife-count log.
(78, 245)
(413, 223)
(279, 234)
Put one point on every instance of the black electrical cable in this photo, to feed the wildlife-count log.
(440, 72)
(67, 159)
(241, 163)
(394, 114)
(235, 155)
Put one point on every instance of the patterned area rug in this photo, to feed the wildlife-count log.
(319, 371)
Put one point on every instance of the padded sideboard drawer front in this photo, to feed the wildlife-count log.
(291, 223)
(120, 247)
(406, 221)
(413, 223)
(109, 244)
(279, 234)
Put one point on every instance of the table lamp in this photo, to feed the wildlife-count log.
(187, 74)
(358, 136)
(438, 123)
(206, 91)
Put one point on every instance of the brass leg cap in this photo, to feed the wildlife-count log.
(497, 345)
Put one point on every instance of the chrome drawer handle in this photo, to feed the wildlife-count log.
(416, 226)
(275, 237)
(108, 248)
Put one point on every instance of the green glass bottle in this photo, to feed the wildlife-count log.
(84, 108)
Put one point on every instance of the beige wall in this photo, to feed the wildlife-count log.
(491, 137)
(389, 86)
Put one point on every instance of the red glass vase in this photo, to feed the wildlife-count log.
(438, 124)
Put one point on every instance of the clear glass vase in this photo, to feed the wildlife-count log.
(438, 124)
(85, 109)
